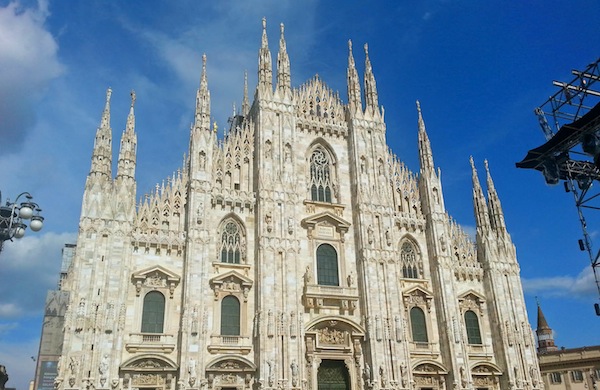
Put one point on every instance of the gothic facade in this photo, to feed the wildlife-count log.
(295, 252)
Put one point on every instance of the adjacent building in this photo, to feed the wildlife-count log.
(566, 368)
(51, 340)
(295, 252)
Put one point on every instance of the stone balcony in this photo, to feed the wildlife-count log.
(230, 344)
(424, 349)
(150, 342)
(339, 299)
(481, 351)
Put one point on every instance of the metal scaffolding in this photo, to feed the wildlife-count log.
(570, 121)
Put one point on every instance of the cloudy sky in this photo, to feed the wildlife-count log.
(479, 68)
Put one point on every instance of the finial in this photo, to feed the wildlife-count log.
(132, 93)
(419, 107)
(487, 168)
(281, 28)
(366, 48)
(215, 128)
(350, 44)
(203, 62)
(108, 93)
(264, 23)
(472, 163)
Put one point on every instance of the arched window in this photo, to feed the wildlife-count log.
(230, 316)
(472, 325)
(153, 314)
(231, 242)
(418, 325)
(327, 266)
(320, 176)
(408, 257)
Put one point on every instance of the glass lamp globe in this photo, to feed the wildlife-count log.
(25, 211)
(36, 223)
(19, 231)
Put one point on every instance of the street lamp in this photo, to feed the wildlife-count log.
(3, 376)
(13, 216)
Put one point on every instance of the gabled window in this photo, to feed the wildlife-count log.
(231, 242)
(418, 325)
(230, 316)
(327, 266)
(408, 257)
(153, 315)
(472, 325)
(320, 176)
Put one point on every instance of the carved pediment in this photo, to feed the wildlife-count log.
(486, 369)
(148, 364)
(418, 291)
(231, 282)
(417, 296)
(430, 368)
(231, 364)
(324, 224)
(155, 277)
(471, 300)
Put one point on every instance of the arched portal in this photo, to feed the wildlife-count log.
(333, 375)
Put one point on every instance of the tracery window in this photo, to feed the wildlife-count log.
(418, 325)
(320, 176)
(230, 316)
(231, 242)
(153, 313)
(472, 325)
(327, 266)
(408, 257)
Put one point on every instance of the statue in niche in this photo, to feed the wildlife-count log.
(271, 373)
(192, 371)
(73, 365)
(388, 237)
(269, 221)
(288, 153)
(308, 275)
(202, 160)
(294, 367)
(103, 365)
(367, 373)
(383, 376)
(351, 279)
(370, 234)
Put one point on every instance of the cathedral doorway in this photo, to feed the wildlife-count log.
(333, 375)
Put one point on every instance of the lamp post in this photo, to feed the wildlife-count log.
(3, 377)
(13, 216)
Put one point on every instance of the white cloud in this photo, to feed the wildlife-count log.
(28, 61)
(31, 267)
(581, 286)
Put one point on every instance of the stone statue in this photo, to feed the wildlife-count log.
(103, 368)
(308, 275)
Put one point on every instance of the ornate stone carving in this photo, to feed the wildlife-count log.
(331, 336)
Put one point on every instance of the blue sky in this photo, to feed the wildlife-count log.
(479, 68)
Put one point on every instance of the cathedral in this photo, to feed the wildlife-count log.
(296, 251)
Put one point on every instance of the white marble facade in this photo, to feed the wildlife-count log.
(296, 252)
